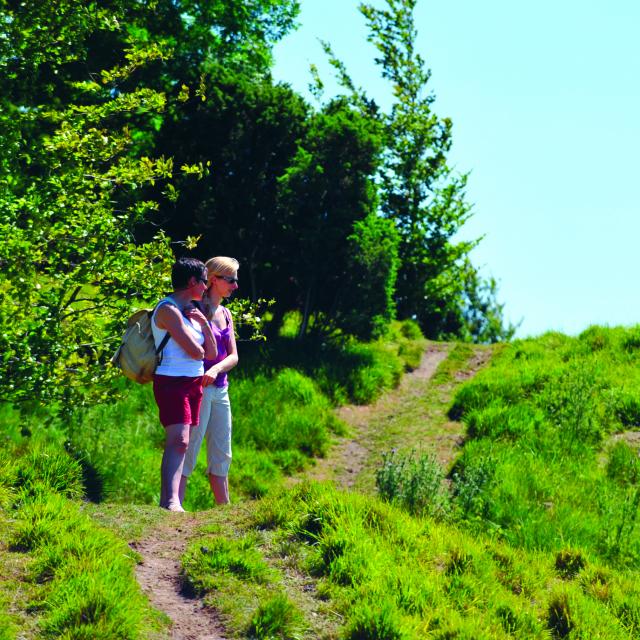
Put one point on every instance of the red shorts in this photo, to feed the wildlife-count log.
(178, 398)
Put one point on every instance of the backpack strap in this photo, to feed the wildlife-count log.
(163, 344)
(167, 335)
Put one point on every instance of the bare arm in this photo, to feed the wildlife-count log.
(227, 363)
(169, 318)
(210, 346)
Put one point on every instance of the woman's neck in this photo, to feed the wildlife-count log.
(214, 300)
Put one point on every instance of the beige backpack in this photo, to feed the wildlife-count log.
(137, 355)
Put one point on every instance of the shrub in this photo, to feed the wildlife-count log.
(413, 481)
(472, 477)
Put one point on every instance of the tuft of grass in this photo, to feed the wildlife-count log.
(413, 481)
(277, 617)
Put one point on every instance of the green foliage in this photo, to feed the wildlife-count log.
(413, 481)
(624, 464)
(538, 421)
(345, 370)
(70, 194)
(284, 412)
(424, 198)
(370, 279)
(327, 189)
(390, 575)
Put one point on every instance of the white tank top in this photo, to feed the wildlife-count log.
(175, 360)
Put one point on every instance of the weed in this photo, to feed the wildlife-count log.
(623, 465)
(569, 563)
(378, 622)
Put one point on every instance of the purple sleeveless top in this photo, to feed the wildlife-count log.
(222, 342)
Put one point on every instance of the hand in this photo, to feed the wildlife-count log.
(210, 376)
(195, 314)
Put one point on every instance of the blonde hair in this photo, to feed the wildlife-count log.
(221, 266)
(218, 266)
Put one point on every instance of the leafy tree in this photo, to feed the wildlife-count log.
(420, 193)
(249, 130)
(367, 305)
(69, 199)
(327, 189)
(84, 88)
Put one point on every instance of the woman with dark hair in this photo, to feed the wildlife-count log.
(215, 417)
(177, 382)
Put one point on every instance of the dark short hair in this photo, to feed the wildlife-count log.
(184, 269)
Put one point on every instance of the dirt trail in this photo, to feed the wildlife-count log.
(159, 577)
(159, 572)
(349, 455)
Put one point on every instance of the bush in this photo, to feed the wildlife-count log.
(624, 464)
(413, 481)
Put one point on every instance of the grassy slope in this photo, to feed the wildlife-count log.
(71, 572)
(379, 573)
(315, 562)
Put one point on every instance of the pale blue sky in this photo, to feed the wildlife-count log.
(545, 103)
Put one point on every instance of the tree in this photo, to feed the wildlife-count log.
(69, 200)
(84, 89)
(327, 189)
(249, 131)
(420, 193)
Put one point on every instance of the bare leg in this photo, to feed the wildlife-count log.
(220, 488)
(182, 488)
(172, 461)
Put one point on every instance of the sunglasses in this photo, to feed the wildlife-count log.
(228, 279)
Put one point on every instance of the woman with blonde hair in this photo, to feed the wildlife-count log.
(215, 413)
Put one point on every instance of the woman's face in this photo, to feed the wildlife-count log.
(223, 284)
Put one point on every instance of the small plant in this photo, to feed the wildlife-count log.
(276, 618)
(378, 622)
(569, 563)
(624, 464)
(471, 480)
(560, 620)
(414, 481)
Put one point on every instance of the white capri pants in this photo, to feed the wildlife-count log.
(215, 427)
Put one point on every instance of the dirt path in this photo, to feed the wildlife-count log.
(413, 412)
(159, 577)
(349, 455)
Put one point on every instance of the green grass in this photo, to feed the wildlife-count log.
(232, 574)
(72, 576)
(78, 576)
(540, 468)
(390, 575)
